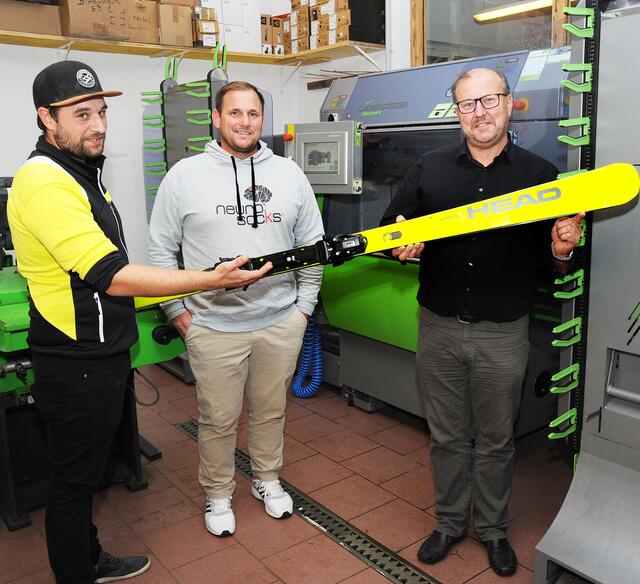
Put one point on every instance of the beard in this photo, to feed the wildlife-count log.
(80, 148)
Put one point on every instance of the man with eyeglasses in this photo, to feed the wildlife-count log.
(475, 294)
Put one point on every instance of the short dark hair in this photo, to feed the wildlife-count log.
(54, 114)
(466, 74)
(237, 86)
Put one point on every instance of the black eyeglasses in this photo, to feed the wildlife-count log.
(490, 101)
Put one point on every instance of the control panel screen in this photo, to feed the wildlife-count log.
(321, 157)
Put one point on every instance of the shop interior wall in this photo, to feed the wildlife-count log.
(293, 102)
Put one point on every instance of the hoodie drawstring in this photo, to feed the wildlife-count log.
(253, 192)
(235, 172)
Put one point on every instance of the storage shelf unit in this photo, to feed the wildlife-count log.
(337, 51)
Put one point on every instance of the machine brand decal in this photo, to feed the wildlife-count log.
(509, 203)
(391, 235)
(373, 109)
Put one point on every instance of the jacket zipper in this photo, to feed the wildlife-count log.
(96, 297)
(118, 226)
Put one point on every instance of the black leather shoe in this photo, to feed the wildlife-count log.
(501, 556)
(437, 546)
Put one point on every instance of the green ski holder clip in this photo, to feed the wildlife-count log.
(572, 417)
(171, 66)
(584, 33)
(196, 140)
(578, 278)
(206, 121)
(573, 371)
(156, 121)
(583, 87)
(205, 89)
(220, 57)
(576, 324)
(162, 166)
(148, 145)
(151, 97)
(151, 192)
(582, 140)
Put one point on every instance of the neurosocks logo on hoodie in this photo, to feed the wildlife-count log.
(244, 216)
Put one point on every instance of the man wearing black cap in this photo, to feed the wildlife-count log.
(70, 247)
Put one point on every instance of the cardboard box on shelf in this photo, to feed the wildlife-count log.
(175, 25)
(266, 29)
(361, 7)
(190, 3)
(27, 17)
(300, 31)
(300, 15)
(298, 45)
(332, 21)
(201, 27)
(143, 21)
(205, 40)
(317, 2)
(277, 35)
(95, 18)
(204, 13)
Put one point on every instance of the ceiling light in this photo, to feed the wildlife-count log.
(512, 10)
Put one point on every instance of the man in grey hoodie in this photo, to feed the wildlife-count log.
(238, 196)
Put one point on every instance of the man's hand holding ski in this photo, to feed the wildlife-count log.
(404, 252)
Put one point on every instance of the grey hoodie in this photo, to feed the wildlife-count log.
(196, 210)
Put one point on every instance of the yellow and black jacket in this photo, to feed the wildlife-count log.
(69, 244)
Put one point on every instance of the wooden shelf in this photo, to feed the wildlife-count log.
(123, 47)
(337, 51)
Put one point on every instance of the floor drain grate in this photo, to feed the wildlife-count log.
(385, 561)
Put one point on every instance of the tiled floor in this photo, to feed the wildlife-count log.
(371, 469)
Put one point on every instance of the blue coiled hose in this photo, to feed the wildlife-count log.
(310, 362)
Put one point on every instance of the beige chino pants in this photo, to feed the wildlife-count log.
(224, 364)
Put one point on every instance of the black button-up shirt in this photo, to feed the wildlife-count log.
(489, 275)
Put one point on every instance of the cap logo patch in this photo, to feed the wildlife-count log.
(85, 78)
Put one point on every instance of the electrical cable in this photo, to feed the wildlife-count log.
(152, 386)
(310, 362)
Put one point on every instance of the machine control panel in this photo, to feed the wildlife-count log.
(329, 154)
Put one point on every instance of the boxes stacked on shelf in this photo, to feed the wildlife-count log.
(286, 33)
(320, 23)
(28, 17)
(206, 28)
(300, 28)
(142, 16)
(97, 19)
(174, 19)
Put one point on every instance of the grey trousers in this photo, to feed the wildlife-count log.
(471, 379)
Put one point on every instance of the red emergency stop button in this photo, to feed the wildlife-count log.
(287, 137)
(521, 104)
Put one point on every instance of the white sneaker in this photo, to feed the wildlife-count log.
(219, 517)
(277, 502)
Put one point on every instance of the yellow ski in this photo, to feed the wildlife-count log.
(609, 186)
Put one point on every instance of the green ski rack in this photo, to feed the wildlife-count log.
(573, 371)
(578, 278)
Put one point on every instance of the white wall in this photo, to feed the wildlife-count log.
(133, 74)
(275, 6)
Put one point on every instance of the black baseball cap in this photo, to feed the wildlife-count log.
(66, 83)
